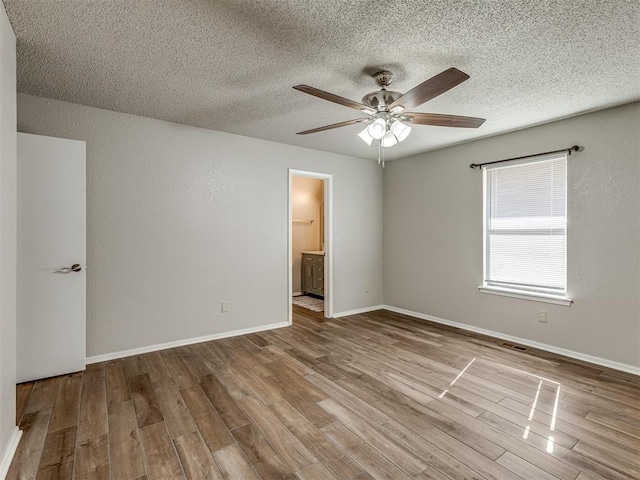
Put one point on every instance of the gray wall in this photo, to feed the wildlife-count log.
(7, 232)
(433, 236)
(181, 219)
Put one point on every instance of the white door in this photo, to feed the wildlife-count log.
(51, 305)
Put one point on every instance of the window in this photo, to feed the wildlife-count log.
(525, 228)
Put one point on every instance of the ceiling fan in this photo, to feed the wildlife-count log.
(387, 110)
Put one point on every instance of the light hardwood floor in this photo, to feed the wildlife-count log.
(379, 395)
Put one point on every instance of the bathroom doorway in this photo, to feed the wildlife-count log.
(309, 247)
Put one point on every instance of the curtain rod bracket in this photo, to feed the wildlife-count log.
(574, 148)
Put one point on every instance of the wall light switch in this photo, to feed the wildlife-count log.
(542, 316)
(225, 307)
(366, 289)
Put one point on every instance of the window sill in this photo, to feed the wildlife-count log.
(535, 297)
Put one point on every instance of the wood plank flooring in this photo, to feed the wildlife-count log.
(372, 396)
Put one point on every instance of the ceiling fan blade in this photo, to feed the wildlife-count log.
(440, 120)
(335, 98)
(430, 88)
(334, 125)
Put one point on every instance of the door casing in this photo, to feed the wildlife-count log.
(328, 239)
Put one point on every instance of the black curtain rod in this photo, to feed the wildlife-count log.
(575, 148)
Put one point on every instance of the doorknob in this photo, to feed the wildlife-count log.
(76, 267)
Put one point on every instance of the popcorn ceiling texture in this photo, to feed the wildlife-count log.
(229, 65)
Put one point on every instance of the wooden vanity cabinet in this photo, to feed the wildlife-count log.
(313, 273)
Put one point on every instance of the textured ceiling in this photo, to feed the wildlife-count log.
(230, 64)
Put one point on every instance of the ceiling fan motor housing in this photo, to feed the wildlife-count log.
(381, 99)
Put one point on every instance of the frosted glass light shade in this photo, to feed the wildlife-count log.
(389, 139)
(364, 135)
(400, 130)
(378, 128)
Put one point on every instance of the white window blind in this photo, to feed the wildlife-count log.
(526, 225)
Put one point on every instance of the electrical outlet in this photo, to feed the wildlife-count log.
(224, 307)
(542, 316)
(366, 289)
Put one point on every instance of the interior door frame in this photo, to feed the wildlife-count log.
(328, 239)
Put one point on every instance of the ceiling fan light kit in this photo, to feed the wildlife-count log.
(388, 118)
(383, 129)
(366, 138)
(389, 139)
(378, 128)
(400, 130)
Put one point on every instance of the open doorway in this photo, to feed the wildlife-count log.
(309, 247)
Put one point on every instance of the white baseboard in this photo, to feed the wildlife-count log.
(356, 311)
(9, 452)
(180, 343)
(523, 341)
